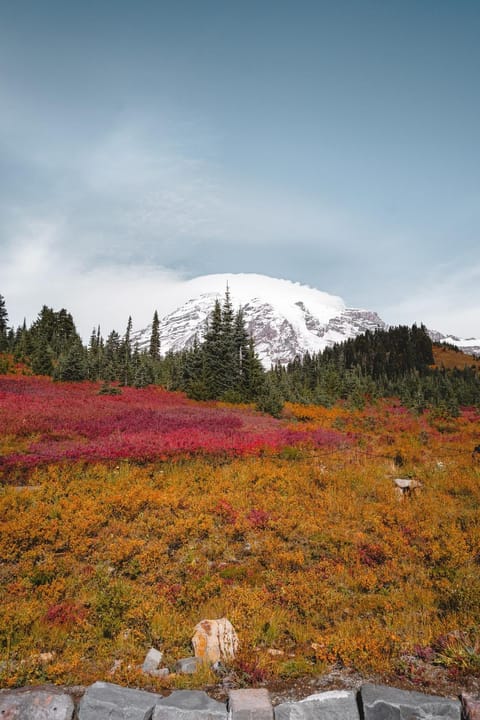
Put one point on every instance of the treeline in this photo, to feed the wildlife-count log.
(52, 346)
(397, 362)
(223, 365)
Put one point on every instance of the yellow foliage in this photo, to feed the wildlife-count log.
(313, 556)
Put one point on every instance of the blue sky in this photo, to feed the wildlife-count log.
(331, 143)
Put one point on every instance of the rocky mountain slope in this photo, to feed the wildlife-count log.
(471, 346)
(285, 318)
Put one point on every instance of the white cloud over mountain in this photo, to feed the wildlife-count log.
(34, 271)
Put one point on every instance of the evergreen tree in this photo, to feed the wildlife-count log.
(228, 350)
(56, 328)
(241, 348)
(154, 349)
(49, 338)
(171, 371)
(111, 368)
(23, 346)
(270, 400)
(136, 359)
(194, 377)
(224, 366)
(126, 356)
(10, 338)
(3, 325)
(41, 357)
(72, 365)
(212, 348)
(95, 355)
(252, 374)
(144, 372)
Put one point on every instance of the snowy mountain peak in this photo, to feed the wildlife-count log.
(470, 346)
(285, 318)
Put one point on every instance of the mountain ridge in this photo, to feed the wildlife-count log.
(285, 318)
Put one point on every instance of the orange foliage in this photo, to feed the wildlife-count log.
(309, 552)
(445, 357)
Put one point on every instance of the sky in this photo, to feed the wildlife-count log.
(335, 144)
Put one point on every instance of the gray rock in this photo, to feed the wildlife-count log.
(152, 660)
(105, 701)
(44, 704)
(219, 668)
(189, 705)
(386, 703)
(406, 483)
(117, 664)
(249, 705)
(331, 705)
(471, 707)
(188, 665)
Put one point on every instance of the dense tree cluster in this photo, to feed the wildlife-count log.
(223, 365)
(52, 346)
(383, 363)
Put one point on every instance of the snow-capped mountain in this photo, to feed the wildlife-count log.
(471, 346)
(285, 318)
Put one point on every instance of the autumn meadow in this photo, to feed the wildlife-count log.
(128, 518)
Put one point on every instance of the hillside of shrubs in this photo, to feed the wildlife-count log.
(117, 536)
(131, 513)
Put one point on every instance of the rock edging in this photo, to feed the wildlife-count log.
(107, 701)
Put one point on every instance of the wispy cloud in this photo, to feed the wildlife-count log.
(141, 194)
(113, 224)
(36, 271)
(448, 300)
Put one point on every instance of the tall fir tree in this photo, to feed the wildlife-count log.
(154, 348)
(126, 375)
(111, 368)
(212, 348)
(23, 346)
(228, 379)
(144, 375)
(241, 343)
(253, 375)
(95, 355)
(194, 376)
(3, 325)
(270, 399)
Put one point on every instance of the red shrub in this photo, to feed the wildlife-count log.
(70, 421)
(225, 510)
(258, 518)
(65, 613)
(371, 555)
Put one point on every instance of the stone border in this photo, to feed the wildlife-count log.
(107, 701)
